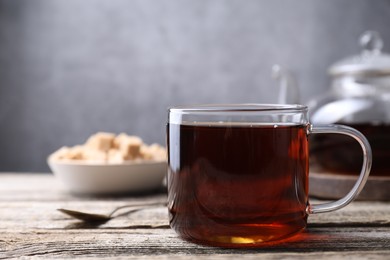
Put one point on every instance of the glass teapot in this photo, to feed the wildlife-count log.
(359, 97)
(360, 90)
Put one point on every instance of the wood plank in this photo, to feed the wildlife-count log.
(123, 242)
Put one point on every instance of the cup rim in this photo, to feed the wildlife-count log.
(239, 107)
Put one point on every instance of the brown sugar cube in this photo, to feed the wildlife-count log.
(115, 156)
(100, 141)
(130, 147)
(119, 139)
(159, 152)
(61, 153)
(94, 155)
(153, 152)
(146, 153)
(75, 153)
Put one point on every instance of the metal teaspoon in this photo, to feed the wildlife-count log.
(101, 218)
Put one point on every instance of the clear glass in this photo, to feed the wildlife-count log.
(238, 173)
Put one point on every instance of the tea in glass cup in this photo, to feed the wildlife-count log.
(238, 174)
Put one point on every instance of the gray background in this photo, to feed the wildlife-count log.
(71, 68)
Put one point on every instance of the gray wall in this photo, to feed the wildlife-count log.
(71, 68)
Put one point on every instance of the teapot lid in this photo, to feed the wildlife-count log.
(370, 62)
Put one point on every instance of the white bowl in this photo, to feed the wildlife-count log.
(99, 179)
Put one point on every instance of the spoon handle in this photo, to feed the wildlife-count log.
(143, 205)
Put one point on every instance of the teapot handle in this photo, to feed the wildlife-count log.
(289, 91)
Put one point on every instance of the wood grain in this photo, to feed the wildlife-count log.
(32, 228)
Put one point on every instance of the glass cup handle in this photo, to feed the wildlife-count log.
(366, 167)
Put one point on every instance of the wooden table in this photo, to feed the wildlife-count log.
(31, 227)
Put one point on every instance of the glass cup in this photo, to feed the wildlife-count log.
(238, 174)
